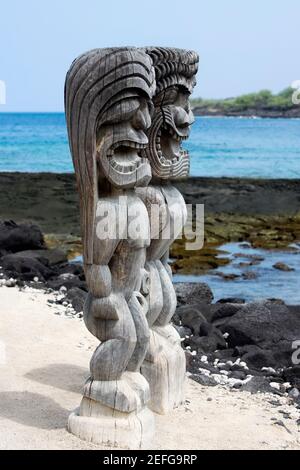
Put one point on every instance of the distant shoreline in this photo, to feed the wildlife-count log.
(263, 104)
(293, 113)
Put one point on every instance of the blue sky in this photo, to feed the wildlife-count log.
(244, 45)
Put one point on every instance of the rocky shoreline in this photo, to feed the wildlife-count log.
(239, 345)
(265, 213)
(51, 200)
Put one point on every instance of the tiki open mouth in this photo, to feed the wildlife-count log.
(125, 157)
(168, 145)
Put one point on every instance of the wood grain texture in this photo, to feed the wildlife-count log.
(108, 96)
(164, 366)
(118, 144)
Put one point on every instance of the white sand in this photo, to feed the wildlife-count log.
(47, 359)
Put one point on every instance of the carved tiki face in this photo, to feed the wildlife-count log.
(175, 71)
(122, 136)
(108, 100)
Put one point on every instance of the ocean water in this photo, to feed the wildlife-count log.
(268, 283)
(238, 147)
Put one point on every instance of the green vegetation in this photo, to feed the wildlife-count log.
(263, 100)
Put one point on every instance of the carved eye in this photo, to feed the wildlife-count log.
(122, 111)
(171, 95)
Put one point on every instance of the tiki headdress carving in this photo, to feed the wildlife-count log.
(175, 71)
(108, 95)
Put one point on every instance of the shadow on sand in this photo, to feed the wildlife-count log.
(63, 376)
(33, 409)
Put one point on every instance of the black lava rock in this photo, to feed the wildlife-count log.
(204, 380)
(191, 316)
(56, 283)
(183, 331)
(237, 374)
(203, 345)
(257, 384)
(50, 257)
(231, 300)
(26, 269)
(269, 326)
(76, 297)
(193, 293)
(225, 311)
(18, 237)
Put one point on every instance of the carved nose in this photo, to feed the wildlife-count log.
(142, 120)
(183, 118)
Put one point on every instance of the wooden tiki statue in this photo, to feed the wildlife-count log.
(164, 366)
(108, 100)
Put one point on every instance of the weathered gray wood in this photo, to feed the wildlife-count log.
(117, 148)
(164, 365)
(108, 99)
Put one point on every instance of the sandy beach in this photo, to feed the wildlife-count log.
(46, 361)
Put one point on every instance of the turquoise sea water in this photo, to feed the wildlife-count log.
(267, 283)
(241, 147)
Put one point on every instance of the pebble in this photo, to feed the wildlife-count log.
(294, 393)
(286, 386)
(10, 283)
(220, 379)
(204, 371)
(204, 359)
(269, 370)
(283, 267)
(275, 385)
(244, 365)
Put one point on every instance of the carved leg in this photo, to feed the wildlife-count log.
(165, 374)
(165, 364)
(138, 307)
(113, 406)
